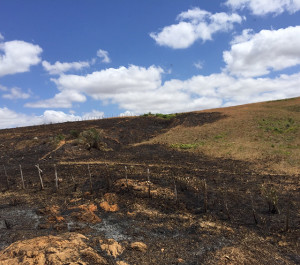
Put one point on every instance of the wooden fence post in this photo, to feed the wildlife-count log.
(126, 177)
(175, 190)
(205, 195)
(23, 184)
(90, 175)
(149, 183)
(7, 182)
(56, 177)
(40, 175)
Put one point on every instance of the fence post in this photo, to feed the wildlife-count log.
(23, 184)
(126, 177)
(205, 195)
(56, 178)
(7, 182)
(175, 190)
(41, 180)
(149, 183)
(90, 175)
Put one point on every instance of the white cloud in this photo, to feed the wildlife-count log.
(17, 57)
(59, 68)
(263, 7)
(10, 118)
(127, 113)
(94, 114)
(1, 37)
(194, 24)
(63, 99)
(101, 85)
(103, 54)
(52, 116)
(3, 88)
(16, 93)
(259, 54)
(196, 93)
(198, 65)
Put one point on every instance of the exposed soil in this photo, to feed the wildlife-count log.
(189, 209)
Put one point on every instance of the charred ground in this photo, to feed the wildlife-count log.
(223, 213)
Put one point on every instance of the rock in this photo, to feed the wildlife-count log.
(112, 247)
(86, 213)
(122, 263)
(110, 198)
(3, 224)
(139, 246)
(68, 248)
(109, 208)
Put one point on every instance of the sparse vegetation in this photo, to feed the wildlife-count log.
(160, 115)
(279, 125)
(74, 133)
(271, 196)
(185, 146)
(92, 138)
(193, 189)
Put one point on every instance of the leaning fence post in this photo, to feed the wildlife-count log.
(175, 190)
(205, 195)
(7, 182)
(90, 175)
(23, 184)
(149, 183)
(41, 180)
(56, 178)
(126, 177)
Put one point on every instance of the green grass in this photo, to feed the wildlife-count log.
(278, 126)
(160, 115)
(187, 146)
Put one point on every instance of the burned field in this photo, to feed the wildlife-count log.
(114, 184)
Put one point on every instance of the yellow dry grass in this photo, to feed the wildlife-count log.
(267, 134)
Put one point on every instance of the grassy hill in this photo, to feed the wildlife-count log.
(218, 186)
(267, 134)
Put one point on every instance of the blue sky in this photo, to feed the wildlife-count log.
(64, 60)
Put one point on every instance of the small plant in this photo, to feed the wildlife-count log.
(160, 115)
(270, 194)
(74, 133)
(220, 136)
(92, 139)
(184, 146)
(59, 137)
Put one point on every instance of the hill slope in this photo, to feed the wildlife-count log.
(211, 187)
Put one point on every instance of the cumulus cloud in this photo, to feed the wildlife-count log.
(104, 55)
(18, 56)
(16, 93)
(63, 99)
(259, 54)
(194, 24)
(140, 90)
(1, 37)
(94, 114)
(263, 7)
(10, 118)
(60, 68)
(127, 113)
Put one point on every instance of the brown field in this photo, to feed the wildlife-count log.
(224, 185)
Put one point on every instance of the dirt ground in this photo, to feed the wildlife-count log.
(186, 207)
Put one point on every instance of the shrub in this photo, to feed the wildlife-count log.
(270, 194)
(92, 139)
(160, 115)
(74, 133)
